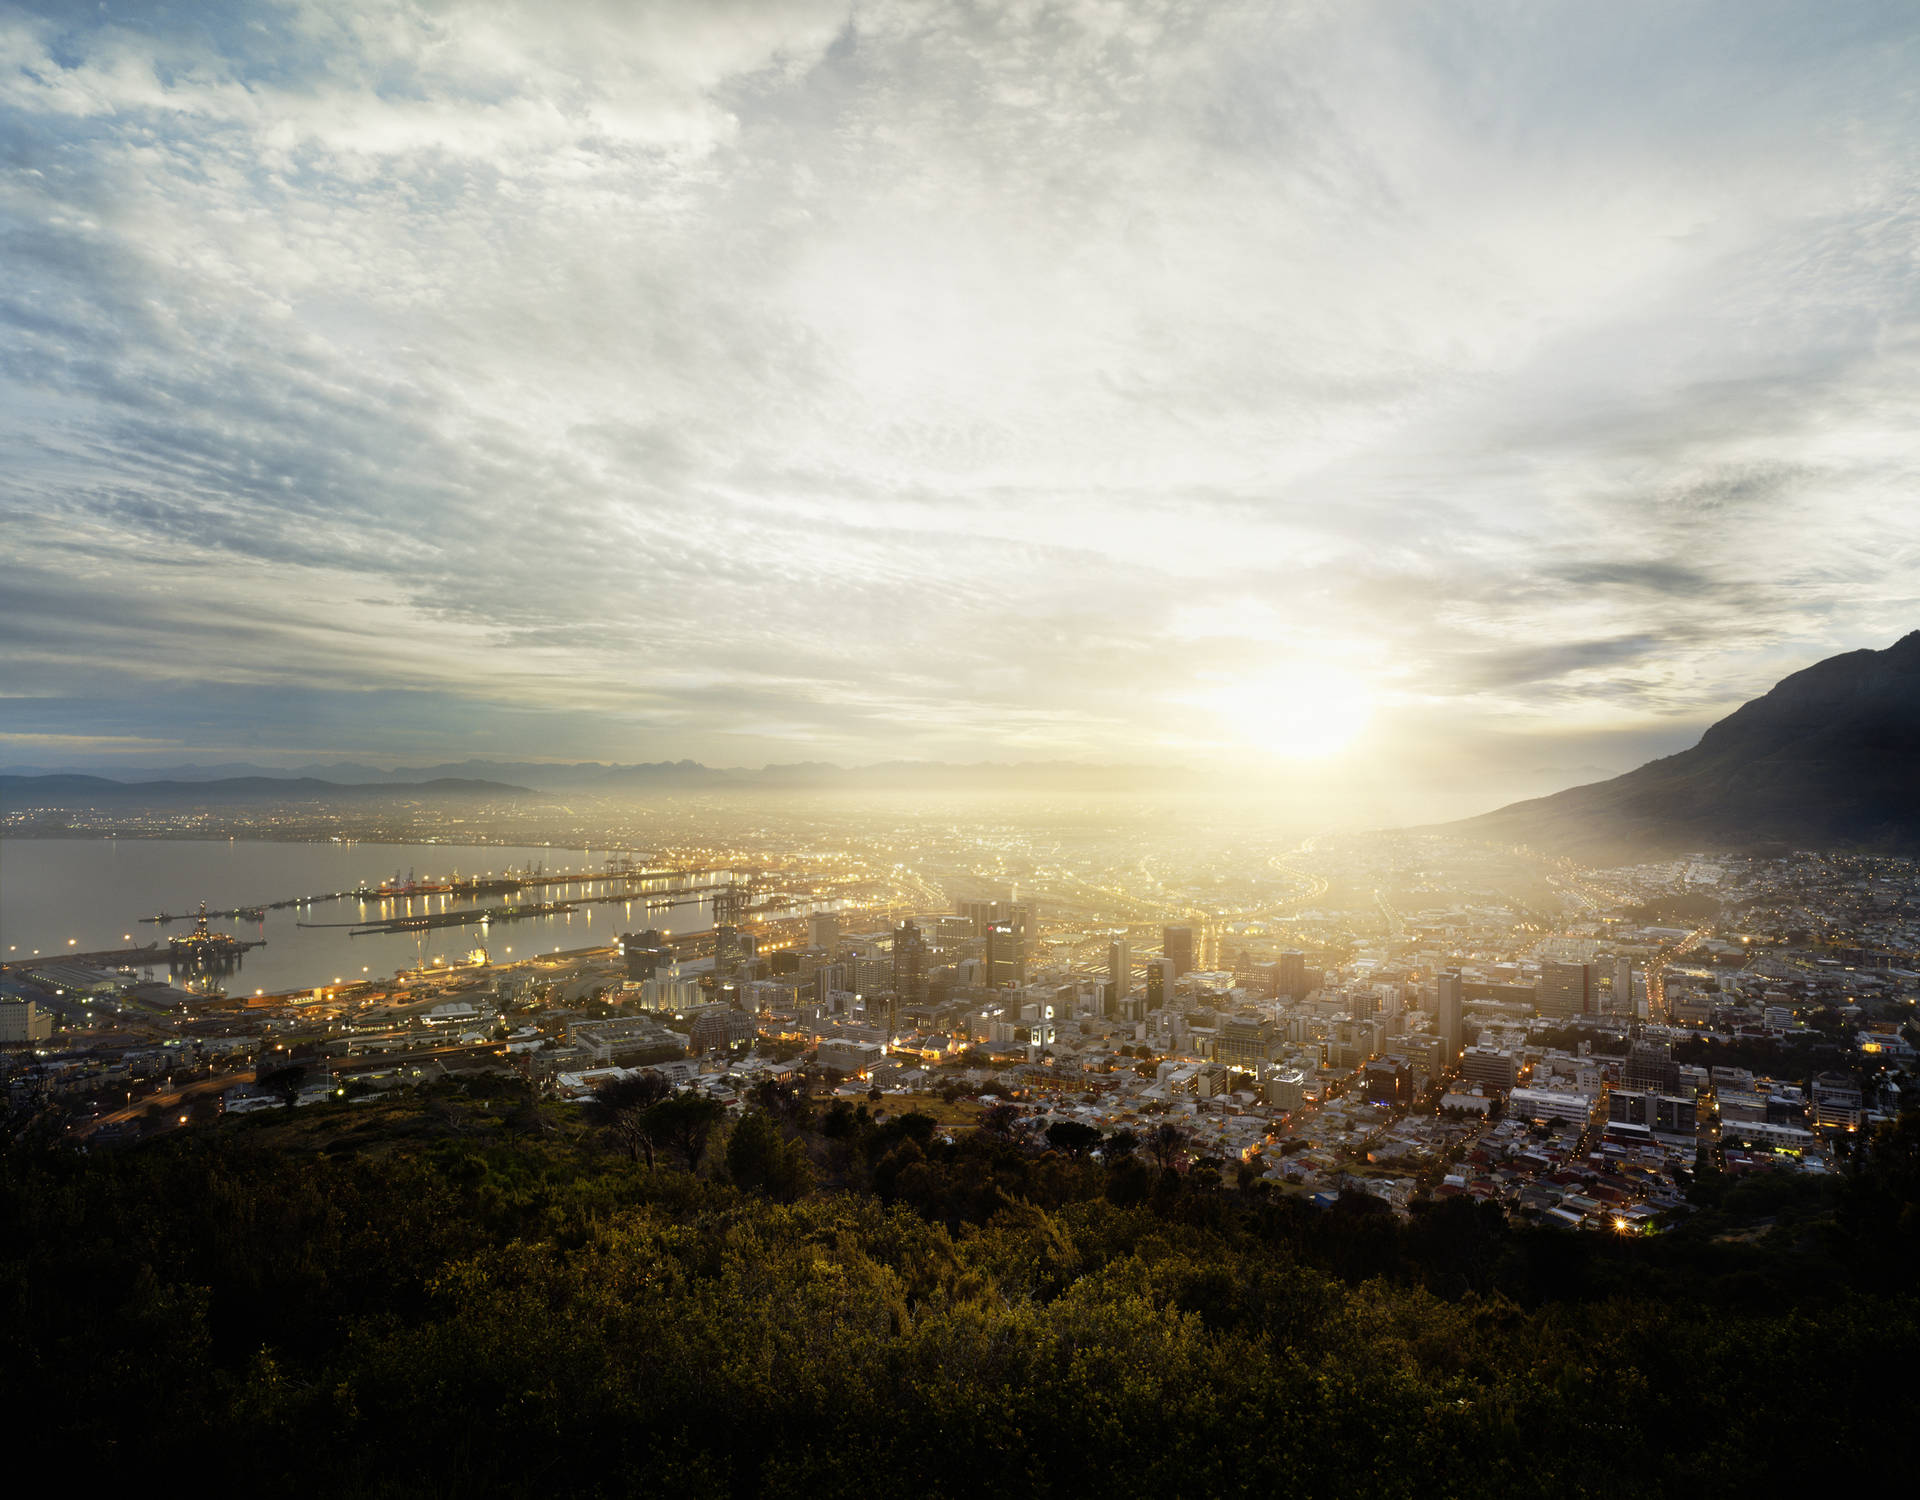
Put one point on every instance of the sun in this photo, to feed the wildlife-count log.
(1294, 710)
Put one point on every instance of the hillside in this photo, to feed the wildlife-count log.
(1830, 758)
(463, 1290)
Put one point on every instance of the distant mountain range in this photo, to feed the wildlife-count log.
(1830, 758)
(70, 791)
(244, 782)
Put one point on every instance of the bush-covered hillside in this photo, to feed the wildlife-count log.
(446, 1296)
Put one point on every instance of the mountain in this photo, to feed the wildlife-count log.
(67, 791)
(1830, 758)
(598, 778)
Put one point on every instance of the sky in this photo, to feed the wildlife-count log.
(1474, 397)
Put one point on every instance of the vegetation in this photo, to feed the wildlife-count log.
(478, 1294)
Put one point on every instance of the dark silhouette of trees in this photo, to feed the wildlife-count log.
(1073, 1137)
(785, 1101)
(762, 1160)
(684, 1122)
(1165, 1144)
(623, 1107)
(285, 1083)
(1000, 1119)
(434, 1299)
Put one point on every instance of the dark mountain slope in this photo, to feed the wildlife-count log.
(1829, 759)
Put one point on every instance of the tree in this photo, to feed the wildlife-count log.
(1000, 1119)
(1073, 1137)
(285, 1082)
(839, 1122)
(623, 1107)
(762, 1160)
(1121, 1144)
(1166, 1143)
(780, 1099)
(683, 1122)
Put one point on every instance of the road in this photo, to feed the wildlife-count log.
(171, 1100)
(1657, 973)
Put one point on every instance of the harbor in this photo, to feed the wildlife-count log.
(369, 910)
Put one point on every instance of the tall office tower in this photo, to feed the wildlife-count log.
(645, 952)
(909, 965)
(1119, 974)
(1006, 959)
(1177, 944)
(729, 913)
(1650, 1066)
(982, 914)
(1290, 975)
(1159, 982)
(1566, 990)
(1447, 1008)
(1623, 985)
(823, 930)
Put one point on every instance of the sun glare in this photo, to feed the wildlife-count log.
(1297, 710)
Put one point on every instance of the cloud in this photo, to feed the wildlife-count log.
(772, 382)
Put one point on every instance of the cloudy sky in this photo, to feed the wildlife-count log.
(1507, 388)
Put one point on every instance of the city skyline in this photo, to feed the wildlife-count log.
(1355, 394)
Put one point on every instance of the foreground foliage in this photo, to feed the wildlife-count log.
(438, 1297)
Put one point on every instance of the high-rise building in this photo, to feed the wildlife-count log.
(1177, 944)
(1159, 982)
(1389, 1081)
(1623, 985)
(1244, 1044)
(1566, 990)
(909, 965)
(1650, 1068)
(823, 930)
(1447, 1007)
(1119, 974)
(729, 914)
(1006, 954)
(1489, 1067)
(1351, 1042)
(645, 954)
(1837, 1102)
(983, 914)
(1290, 976)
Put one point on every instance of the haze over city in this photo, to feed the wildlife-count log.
(960, 747)
(1466, 400)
